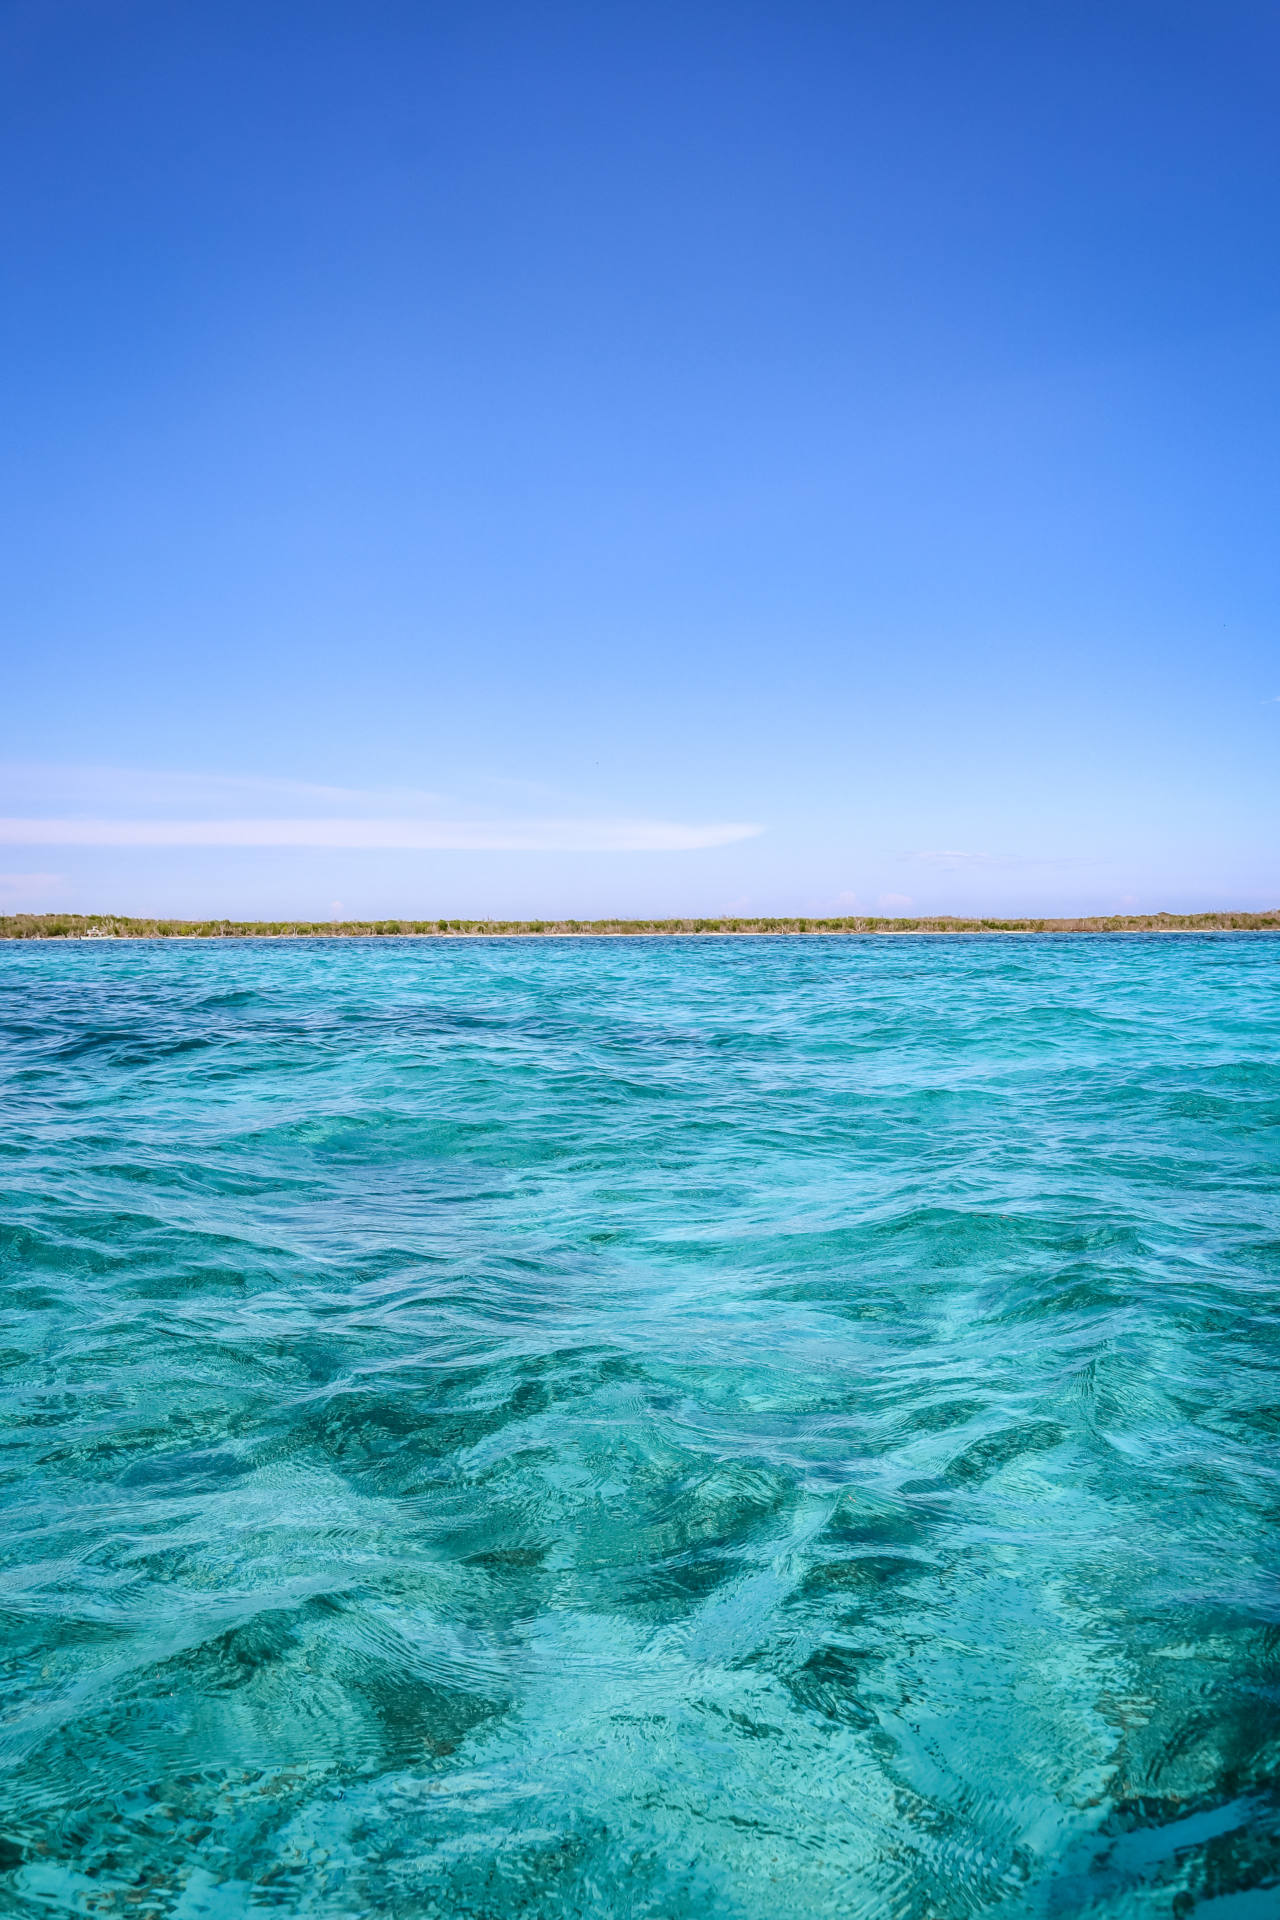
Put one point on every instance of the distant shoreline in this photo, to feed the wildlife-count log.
(72, 926)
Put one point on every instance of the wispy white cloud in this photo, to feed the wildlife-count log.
(469, 836)
(87, 806)
(950, 858)
(953, 860)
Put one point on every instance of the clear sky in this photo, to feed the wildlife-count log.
(538, 458)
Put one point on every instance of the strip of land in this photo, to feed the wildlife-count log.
(110, 926)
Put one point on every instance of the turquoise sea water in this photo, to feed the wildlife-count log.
(747, 1428)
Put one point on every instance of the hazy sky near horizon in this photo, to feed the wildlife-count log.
(639, 457)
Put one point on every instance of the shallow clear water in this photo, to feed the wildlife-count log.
(622, 1428)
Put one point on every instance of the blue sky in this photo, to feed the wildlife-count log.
(525, 459)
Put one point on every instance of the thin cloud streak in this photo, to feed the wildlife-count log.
(952, 860)
(438, 836)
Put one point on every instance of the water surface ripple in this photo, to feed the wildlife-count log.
(749, 1428)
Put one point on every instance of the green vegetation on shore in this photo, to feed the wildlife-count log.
(82, 926)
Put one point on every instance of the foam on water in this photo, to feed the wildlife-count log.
(753, 1428)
